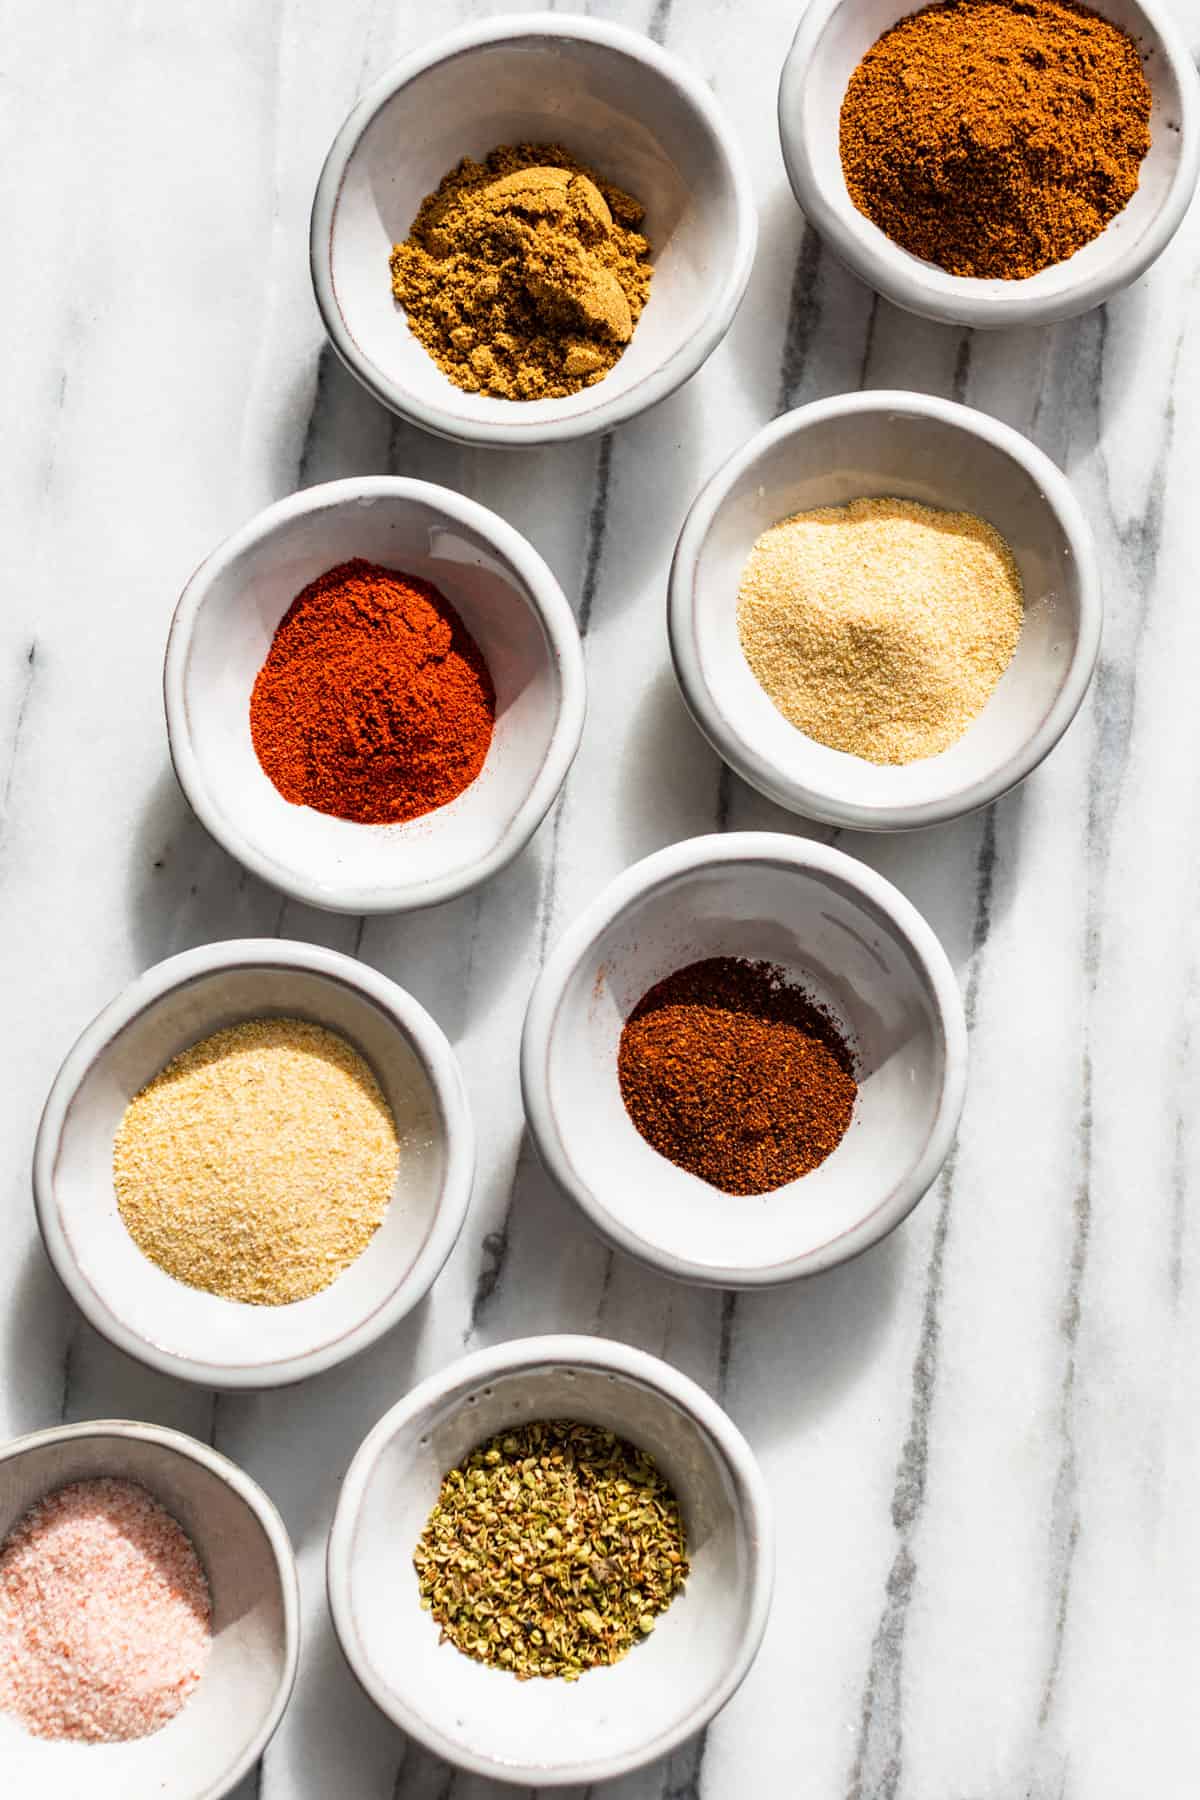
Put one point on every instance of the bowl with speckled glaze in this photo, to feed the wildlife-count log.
(509, 601)
(548, 1733)
(832, 38)
(187, 1331)
(626, 108)
(840, 932)
(226, 1724)
(897, 446)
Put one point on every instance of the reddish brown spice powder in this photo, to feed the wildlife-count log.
(736, 1075)
(996, 137)
(375, 702)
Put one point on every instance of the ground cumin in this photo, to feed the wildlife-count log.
(524, 275)
(737, 1075)
(996, 137)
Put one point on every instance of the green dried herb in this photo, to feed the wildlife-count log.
(551, 1549)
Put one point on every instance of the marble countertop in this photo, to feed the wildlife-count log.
(983, 1434)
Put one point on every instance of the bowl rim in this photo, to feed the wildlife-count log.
(404, 1014)
(448, 419)
(909, 282)
(546, 599)
(761, 772)
(695, 856)
(609, 1356)
(268, 1516)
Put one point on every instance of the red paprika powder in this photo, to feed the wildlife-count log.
(375, 702)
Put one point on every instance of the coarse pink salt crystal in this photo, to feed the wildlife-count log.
(105, 1614)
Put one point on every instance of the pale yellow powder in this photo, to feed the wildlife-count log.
(881, 627)
(260, 1162)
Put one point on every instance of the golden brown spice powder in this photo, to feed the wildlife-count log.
(524, 276)
(259, 1163)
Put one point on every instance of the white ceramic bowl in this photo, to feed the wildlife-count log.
(912, 447)
(547, 1733)
(514, 609)
(247, 1682)
(844, 934)
(633, 112)
(186, 1331)
(832, 39)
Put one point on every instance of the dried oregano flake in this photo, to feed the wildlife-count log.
(552, 1549)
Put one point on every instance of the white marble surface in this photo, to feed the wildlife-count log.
(983, 1435)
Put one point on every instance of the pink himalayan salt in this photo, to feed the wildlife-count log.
(105, 1614)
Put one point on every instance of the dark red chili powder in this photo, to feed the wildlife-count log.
(736, 1075)
(375, 702)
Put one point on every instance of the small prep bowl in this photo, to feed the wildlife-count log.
(550, 1733)
(911, 447)
(634, 113)
(512, 606)
(186, 1331)
(845, 935)
(243, 1544)
(832, 39)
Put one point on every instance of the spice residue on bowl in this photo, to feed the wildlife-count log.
(259, 1163)
(375, 702)
(734, 1073)
(524, 275)
(996, 137)
(551, 1550)
(882, 627)
(105, 1615)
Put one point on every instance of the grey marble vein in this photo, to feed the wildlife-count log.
(878, 1760)
(25, 693)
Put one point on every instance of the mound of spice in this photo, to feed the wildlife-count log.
(880, 628)
(259, 1164)
(105, 1615)
(524, 275)
(996, 137)
(737, 1075)
(551, 1549)
(375, 702)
